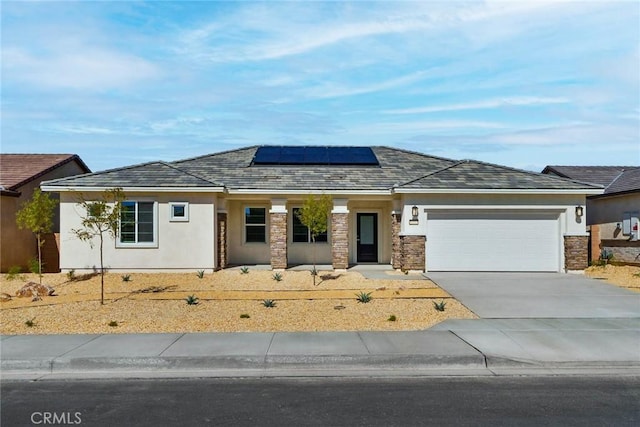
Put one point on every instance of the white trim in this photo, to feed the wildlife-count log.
(497, 208)
(184, 218)
(307, 192)
(278, 206)
(137, 189)
(340, 206)
(493, 191)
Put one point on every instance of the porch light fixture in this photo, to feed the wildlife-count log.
(414, 216)
(579, 211)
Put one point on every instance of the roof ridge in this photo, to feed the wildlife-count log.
(216, 154)
(66, 178)
(434, 172)
(189, 173)
(404, 150)
(614, 180)
(68, 159)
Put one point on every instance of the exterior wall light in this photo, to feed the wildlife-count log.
(579, 211)
(414, 216)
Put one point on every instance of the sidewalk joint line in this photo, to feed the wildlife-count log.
(77, 347)
(170, 345)
(484, 357)
(363, 343)
(266, 354)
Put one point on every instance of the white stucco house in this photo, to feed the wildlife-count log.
(390, 206)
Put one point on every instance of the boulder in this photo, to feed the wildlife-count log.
(5, 297)
(33, 289)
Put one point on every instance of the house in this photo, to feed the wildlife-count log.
(612, 217)
(20, 174)
(390, 206)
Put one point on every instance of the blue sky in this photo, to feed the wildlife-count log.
(523, 84)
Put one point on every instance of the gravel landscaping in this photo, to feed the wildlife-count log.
(156, 303)
(624, 276)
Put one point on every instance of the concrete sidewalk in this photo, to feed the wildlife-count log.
(455, 347)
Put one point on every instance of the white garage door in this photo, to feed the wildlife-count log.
(493, 241)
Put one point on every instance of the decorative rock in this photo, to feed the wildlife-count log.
(5, 297)
(33, 289)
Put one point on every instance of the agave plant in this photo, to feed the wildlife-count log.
(364, 297)
(192, 300)
(269, 303)
(440, 306)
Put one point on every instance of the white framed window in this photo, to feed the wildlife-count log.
(301, 233)
(178, 211)
(138, 224)
(255, 225)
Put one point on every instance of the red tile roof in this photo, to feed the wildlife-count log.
(19, 169)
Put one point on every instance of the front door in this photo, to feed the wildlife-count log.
(367, 239)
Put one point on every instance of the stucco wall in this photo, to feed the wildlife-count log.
(611, 209)
(239, 251)
(181, 245)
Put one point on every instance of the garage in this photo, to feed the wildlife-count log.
(491, 240)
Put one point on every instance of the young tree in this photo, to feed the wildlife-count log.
(37, 216)
(314, 214)
(102, 219)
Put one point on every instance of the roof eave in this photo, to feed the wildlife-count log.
(496, 191)
(67, 188)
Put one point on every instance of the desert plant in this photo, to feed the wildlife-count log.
(102, 218)
(14, 273)
(71, 275)
(364, 297)
(244, 270)
(314, 272)
(440, 306)
(269, 303)
(30, 322)
(113, 324)
(392, 318)
(34, 266)
(200, 274)
(314, 215)
(37, 216)
(606, 256)
(192, 300)
(245, 316)
(126, 277)
(277, 277)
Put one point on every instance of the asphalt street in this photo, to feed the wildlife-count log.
(477, 401)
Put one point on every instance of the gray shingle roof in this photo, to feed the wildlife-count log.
(615, 179)
(397, 169)
(153, 174)
(471, 174)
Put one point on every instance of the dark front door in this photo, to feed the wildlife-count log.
(367, 238)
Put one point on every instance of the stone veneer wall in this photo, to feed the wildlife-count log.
(625, 251)
(576, 249)
(340, 240)
(278, 240)
(413, 256)
(222, 241)
(396, 243)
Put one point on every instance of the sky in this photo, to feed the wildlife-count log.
(522, 84)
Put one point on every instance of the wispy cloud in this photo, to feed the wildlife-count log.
(482, 105)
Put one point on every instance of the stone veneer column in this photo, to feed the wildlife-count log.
(413, 255)
(396, 243)
(576, 252)
(222, 241)
(278, 240)
(340, 240)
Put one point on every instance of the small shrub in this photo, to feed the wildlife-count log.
(636, 274)
(244, 270)
(364, 297)
(14, 273)
(314, 272)
(392, 318)
(126, 277)
(269, 303)
(192, 300)
(113, 324)
(277, 277)
(71, 275)
(200, 274)
(245, 316)
(606, 256)
(440, 306)
(30, 322)
(34, 266)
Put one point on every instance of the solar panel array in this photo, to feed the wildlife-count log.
(314, 155)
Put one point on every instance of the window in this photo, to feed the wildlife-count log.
(301, 233)
(255, 225)
(178, 211)
(138, 224)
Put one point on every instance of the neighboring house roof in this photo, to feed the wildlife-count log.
(17, 170)
(397, 169)
(615, 179)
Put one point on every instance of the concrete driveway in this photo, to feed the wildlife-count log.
(538, 295)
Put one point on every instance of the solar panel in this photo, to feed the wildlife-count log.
(313, 155)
